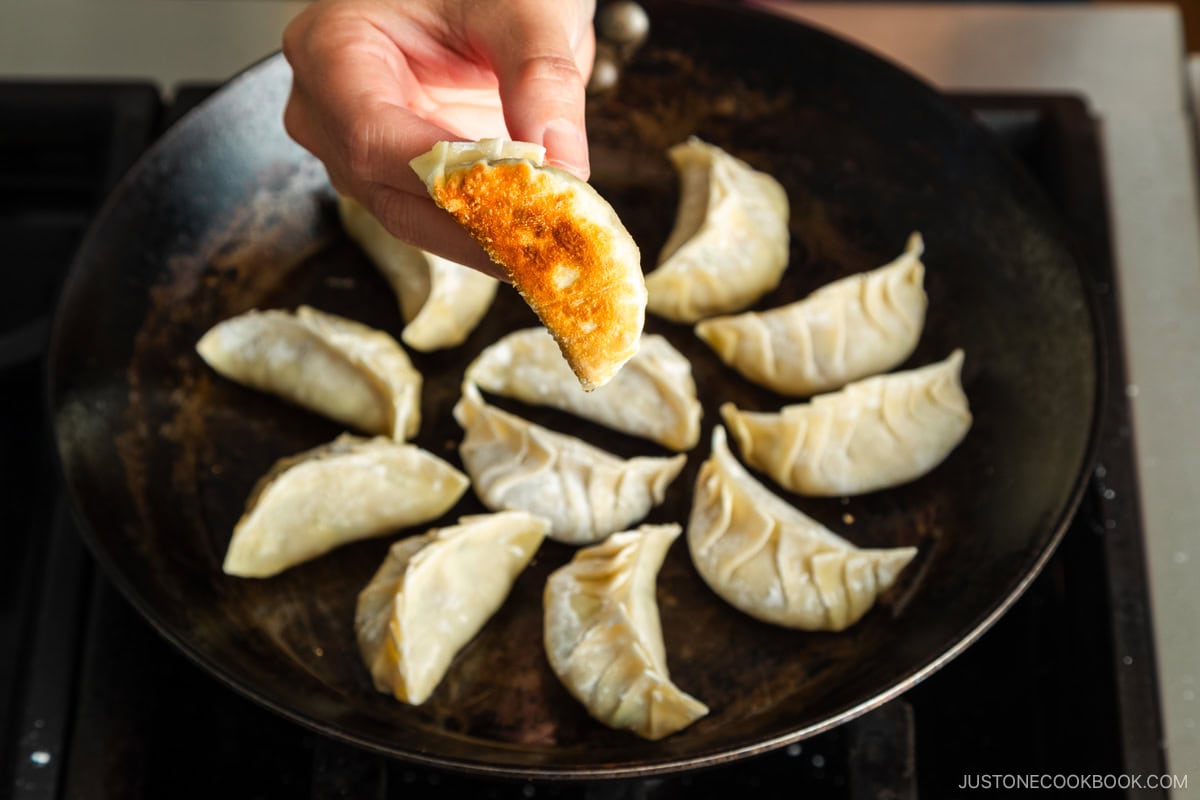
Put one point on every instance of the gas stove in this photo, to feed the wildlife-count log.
(95, 704)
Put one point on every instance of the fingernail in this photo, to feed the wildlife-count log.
(566, 147)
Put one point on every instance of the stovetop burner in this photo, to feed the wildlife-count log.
(96, 704)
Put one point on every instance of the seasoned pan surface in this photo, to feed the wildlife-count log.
(226, 214)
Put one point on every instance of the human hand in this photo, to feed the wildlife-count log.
(378, 82)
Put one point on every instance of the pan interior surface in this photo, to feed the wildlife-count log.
(226, 214)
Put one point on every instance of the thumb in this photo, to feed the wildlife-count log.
(540, 57)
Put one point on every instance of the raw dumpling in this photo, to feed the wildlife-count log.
(586, 493)
(852, 328)
(441, 301)
(328, 364)
(772, 562)
(654, 396)
(434, 592)
(874, 434)
(729, 245)
(349, 489)
(604, 639)
(562, 245)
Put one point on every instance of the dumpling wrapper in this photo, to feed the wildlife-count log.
(350, 489)
(767, 559)
(874, 434)
(442, 301)
(342, 369)
(559, 241)
(653, 396)
(586, 493)
(852, 328)
(604, 639)
(434, 592)
(729, 244)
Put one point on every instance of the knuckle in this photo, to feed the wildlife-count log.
(298, 124)
(296, 35)
(291, 42)
(551, 69)
(360, 144)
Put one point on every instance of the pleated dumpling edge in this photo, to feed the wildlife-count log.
(849, 329)
(769, 560)
(877, 433)
(653, 396)
(585, 491)
(603, 636)
(729, 245)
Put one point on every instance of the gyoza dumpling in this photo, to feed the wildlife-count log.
(849, 329)
(349, 489)
(434, 592)
(604, 639)
(562, 245)
(328, 364)
(585, 492)
(729, 245)
(772, 562)
(441, 301)
(874, 434)
(654, 396)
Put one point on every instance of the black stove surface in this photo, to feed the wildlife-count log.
(95, 704)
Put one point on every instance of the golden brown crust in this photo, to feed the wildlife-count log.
(564, 266)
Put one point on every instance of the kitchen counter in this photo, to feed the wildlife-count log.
(1128, 61)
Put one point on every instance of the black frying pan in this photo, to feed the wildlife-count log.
(225, 214)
